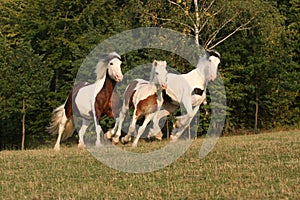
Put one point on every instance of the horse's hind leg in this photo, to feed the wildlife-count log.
(155, 130)
(84, 126)
(98, 132)
(184, 123)
(110, 133)
(61, 129)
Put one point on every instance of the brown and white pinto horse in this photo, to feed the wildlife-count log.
(88, 102)
(146, 98)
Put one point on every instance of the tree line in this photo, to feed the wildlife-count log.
(44, 42)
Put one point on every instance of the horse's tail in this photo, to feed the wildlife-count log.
(57, 116)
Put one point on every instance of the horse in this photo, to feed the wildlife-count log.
(146, 98)
(187, 90)
(88, 102)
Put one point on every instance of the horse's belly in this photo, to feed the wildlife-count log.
(83, 102)
(147, 106)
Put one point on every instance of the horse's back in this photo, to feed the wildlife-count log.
(143, 92)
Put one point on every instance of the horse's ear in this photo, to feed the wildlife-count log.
(155, 63)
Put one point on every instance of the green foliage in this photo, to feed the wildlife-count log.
(44, 42)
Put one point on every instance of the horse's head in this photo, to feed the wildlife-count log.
(114, 66)
(211, 61)
(159, 73)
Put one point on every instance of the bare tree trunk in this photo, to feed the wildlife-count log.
(197, 24)
(23, 124)
(256, 107)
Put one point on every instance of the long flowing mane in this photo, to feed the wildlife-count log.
(103, 62)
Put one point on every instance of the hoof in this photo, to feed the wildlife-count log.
(134, 145)
(56, 148)
(98, 144)
(173, 138)
(125, 139)
(108, 135)
(81, 145)
(115, 140)
(159, 136)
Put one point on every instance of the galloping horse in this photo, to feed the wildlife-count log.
(187, 90)
(146, 98)
(88, 102)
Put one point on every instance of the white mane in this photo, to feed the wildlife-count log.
(102, 64)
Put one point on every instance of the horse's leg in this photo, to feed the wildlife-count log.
(110, 133)
(186, 102)
(122, 116)
(131, 129)
(61, 129)
(82, 130)
(184, 121)
(142, 129)
(155, 130)
(98, 132)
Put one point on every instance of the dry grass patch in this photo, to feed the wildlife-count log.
(240, 167)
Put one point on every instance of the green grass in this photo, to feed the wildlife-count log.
(262, 166)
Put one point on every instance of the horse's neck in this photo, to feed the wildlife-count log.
(196, 77)
(203, 74)
(109, 82)
(152, 76)
(153, 80)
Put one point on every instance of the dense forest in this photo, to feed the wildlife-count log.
(44, 42)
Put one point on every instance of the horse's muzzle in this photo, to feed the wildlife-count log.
(119, 77)
(164, 86)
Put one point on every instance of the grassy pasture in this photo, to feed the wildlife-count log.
(262, 166)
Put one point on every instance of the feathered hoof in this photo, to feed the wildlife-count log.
(81, 145)
(108, 135)
(98, 144)
(159, 136)
(134, 145)
(173, 138)
(115, 140)
(56, 148)
(125, 139)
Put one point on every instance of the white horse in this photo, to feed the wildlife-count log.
(88, 102)
(146, 98)
(189, 91)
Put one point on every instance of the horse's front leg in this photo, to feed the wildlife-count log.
(131, 129)
(141, 130)
(119, 123)
(186, 102)
(155, 130)
(98, 132)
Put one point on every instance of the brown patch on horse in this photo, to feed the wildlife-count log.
(146, 106)
(72, 95)
(104, 104)
(113, 110)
